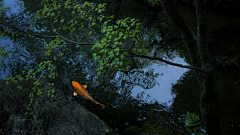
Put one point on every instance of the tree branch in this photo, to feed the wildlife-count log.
(133, 55)
(165, 61)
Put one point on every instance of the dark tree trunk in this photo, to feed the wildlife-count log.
(200, 57)
(209, 103)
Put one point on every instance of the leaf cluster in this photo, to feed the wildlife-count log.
(37, 85)
(192, 120)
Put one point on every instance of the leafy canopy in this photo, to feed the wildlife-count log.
(109, 51)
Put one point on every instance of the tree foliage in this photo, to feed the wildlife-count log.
(60, 60)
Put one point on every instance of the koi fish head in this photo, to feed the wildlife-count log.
(75, 84)
(79, 89)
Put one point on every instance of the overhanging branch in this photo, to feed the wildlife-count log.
(165, 61)
(133, 55)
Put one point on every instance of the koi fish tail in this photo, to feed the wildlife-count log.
(94, 101)
(103, 106)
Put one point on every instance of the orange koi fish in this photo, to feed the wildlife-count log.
(81, 90)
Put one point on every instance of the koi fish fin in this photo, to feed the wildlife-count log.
(75, 93)
(84, 86)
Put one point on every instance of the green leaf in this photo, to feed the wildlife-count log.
(99, 11)
(100, 19)
(116, 59)
(105, 23)
(132, 23)
(134, 39)
(138, 23)
(136, 46)
(121, 63)
(113, 32)
(90, 33)
(118, 22)
(53, 91)
(115, 27)
(111, 56)
(134, 49)
(123, 23)
(52, 14)
(111, 16)
(192, 120)
(120, 34)
(61, 54)
(124, 68)
(105, 50)
(126, 53)
(122, 56)
(117, 49)
(143, 45)
(139, 50)
(95, 58)
(137, 36)
(146, 51)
